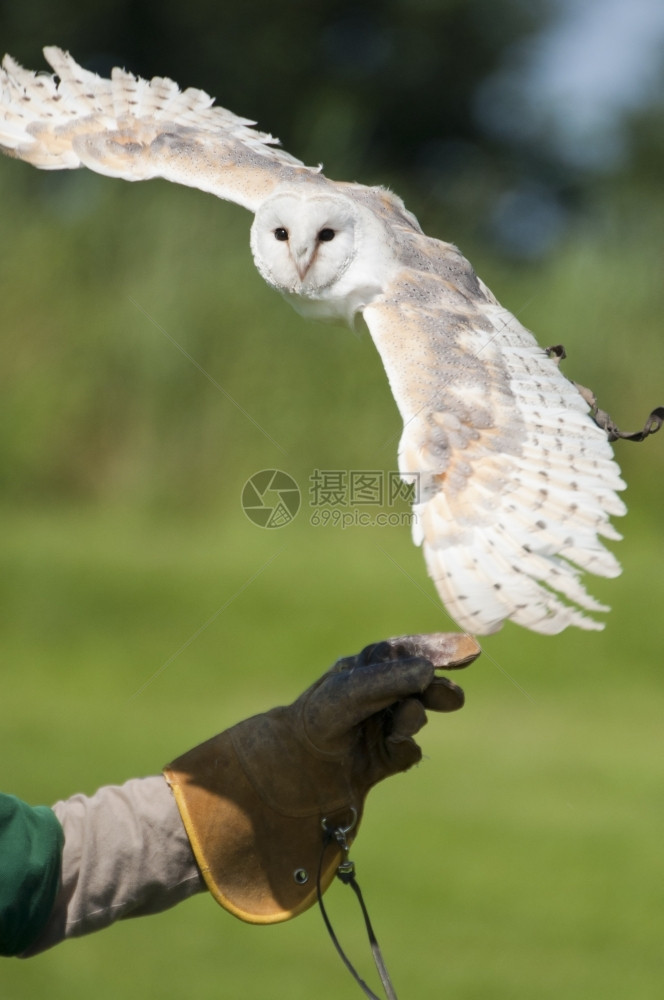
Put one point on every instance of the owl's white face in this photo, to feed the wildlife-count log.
(303, 245)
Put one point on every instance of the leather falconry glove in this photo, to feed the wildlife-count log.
(254, 798)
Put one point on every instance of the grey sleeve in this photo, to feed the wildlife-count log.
(126, 854)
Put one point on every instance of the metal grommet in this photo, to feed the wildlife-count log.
(301, 876)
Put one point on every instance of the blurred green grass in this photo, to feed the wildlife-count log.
(141, 611)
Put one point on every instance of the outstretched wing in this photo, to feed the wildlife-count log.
(514, 481)
(136, 129)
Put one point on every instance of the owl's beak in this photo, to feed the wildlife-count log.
(304, 258)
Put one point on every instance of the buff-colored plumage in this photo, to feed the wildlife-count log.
(515, 482)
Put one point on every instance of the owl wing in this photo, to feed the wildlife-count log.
(136, 129)
(514, 482)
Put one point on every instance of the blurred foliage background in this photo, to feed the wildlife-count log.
(147, 372)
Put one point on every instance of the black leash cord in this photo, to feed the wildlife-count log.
(346, 874)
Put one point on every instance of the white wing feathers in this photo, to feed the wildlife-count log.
(136, 129)
(515, 482)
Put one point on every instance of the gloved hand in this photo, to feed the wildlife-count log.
(254, 798)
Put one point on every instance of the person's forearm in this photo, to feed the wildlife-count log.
(126, 854)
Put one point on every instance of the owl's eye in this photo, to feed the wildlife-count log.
(281, 234)
(325, 235)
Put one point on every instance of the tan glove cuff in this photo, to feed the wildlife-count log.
(259, 859)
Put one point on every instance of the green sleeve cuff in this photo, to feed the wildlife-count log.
(31, 840)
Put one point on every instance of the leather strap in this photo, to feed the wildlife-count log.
(601, 417)
(346, 874)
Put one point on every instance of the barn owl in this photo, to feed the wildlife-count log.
(515, 482)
